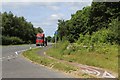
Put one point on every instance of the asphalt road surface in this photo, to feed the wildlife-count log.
(15, 66)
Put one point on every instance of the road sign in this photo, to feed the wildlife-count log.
(55, 37)
(55, 33)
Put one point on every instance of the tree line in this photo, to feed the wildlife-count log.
(89, 20)
(17, 30)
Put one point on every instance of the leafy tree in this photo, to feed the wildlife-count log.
(13, 26)
(78, 23)
(49, 38)
(102, 13)
(38, 30)
(114, 27)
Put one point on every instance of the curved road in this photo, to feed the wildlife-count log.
(15, 66)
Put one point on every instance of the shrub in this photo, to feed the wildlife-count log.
(6, 40)
(101, 36)
(114, 26)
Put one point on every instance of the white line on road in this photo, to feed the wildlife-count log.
(16, 54)
(107, 75)
(91, 71)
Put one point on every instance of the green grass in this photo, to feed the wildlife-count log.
(103, 56)
(31, 54)
(64, 67)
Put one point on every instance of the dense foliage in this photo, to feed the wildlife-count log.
(100, 15)
(93, 33)
(17, 30)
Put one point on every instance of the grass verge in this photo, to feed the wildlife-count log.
(104, 56)
(31, 55)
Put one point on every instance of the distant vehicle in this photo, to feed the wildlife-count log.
(41, 40)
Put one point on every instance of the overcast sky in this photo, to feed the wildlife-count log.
(44, 14)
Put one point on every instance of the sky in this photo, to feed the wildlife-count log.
(44, 14)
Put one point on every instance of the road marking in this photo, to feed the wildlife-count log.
(97, 73)
(16, 53)
(91, 71)
(107, 75)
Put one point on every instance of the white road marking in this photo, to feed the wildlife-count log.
(23, 50)
(107, 75)
(8, 57)
(16, 53)
(97, 73)
(91, 71)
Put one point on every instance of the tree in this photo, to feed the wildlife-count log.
(70, 29)
(38, 30)
(102, 13)
(91, 19)
(49, 38)
(18, 28)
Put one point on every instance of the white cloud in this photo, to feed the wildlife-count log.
(43, 24)
(48, 22)
(74, 6)
(53, 7)
(55, 17)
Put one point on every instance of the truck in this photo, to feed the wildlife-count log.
(41, 40)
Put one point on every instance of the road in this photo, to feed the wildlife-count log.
(15, 66)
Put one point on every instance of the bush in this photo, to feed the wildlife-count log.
(6, 40)
(114, 26)
(101, 36)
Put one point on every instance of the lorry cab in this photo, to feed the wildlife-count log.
(40, 40)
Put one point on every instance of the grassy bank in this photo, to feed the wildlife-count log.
(102, 55)
(31, 55)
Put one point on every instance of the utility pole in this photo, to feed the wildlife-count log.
(55, 41)
(55, 34)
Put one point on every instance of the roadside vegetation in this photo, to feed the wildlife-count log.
(16, 30)
(90, 37)
(102, 55)
(35, 58)
(54, 64)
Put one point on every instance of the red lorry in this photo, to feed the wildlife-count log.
(41, 40)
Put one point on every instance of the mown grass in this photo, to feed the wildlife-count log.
(103, 55)
(31, 54)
